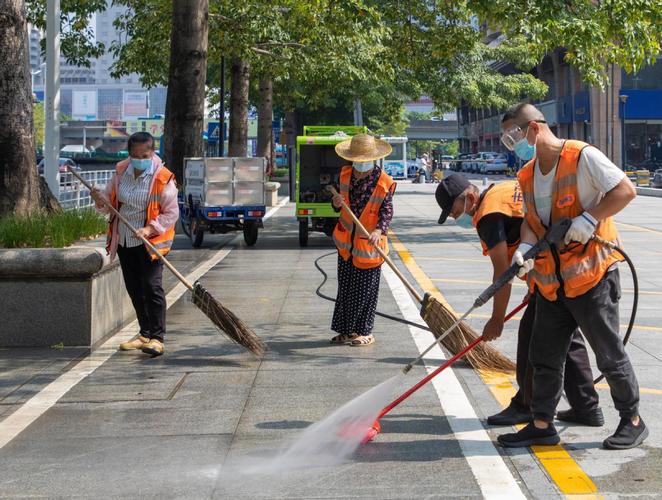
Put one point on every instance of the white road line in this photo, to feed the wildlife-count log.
(273, 210)
(492, 475)
(38, 404)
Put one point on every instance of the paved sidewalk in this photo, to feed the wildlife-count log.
(171, 427)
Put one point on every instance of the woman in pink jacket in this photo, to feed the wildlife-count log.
(145, 193)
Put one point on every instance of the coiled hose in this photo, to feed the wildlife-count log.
(626, 338)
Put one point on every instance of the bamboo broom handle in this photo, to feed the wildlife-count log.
(135, 232)
(381, 252)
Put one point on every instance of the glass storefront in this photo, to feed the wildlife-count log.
(644, 143)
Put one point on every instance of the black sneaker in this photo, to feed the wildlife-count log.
(592, 418)
(627, 435)
(529, 436)
(511, 415)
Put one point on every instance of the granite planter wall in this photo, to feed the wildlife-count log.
(71, 296)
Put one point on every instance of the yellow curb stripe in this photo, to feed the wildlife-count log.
(568, 476)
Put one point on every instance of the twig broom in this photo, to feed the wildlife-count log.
(224, 319)
(451, 331)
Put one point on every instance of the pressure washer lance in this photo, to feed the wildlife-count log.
(554, 235)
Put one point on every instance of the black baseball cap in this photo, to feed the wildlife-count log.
(447, 192)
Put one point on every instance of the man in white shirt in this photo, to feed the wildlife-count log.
(577, 280)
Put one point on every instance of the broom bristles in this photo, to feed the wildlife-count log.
(226, 321)
(481, 357)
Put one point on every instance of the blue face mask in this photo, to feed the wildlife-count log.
(524, 150)
(141, 164)
(363, 166)
(465, 220)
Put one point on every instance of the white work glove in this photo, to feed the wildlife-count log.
(518, 258)
(582, 228)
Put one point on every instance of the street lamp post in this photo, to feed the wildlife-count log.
(52, 139)
(623, 98)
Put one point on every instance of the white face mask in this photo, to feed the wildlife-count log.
(363, 166)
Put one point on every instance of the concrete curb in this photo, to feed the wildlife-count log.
(72, 262)
(71, 296)
(644, 191)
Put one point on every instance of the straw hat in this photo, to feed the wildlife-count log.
(363, 148)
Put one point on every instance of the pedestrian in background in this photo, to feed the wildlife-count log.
(145, 193)
(368, 191)
(577, 281)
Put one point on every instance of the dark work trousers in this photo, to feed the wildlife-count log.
(143, 279)
(596, 313)
(578, 376)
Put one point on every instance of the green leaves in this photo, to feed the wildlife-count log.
(77, 36)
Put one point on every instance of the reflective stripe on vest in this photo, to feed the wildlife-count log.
(162, 242)
(581, 266)
(504, 198)
(364, 255)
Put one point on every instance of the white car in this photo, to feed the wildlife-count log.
(493, 163)
(74, 150)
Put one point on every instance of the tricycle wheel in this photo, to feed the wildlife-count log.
(303, 233)
(186, 227)
(250, 233)
(196, 235)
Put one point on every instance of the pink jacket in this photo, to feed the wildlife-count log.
(169, 205)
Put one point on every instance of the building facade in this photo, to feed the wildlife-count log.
(91, 93)
(575, 110)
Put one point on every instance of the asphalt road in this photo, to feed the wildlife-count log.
(180, 426)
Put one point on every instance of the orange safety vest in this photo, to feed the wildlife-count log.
(578, 268)
(504, 198)
(348, 239)
(161, 242)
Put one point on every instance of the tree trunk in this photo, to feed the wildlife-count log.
(19, 181)
(265, 114)
(238, 137)
(185, 104)
(291, 127)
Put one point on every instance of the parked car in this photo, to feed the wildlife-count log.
(656, 181)
(62, 165)
(412, 168)
(468, 164)
(446, 161)
(456, 166)
(74, 150)
(494, 163)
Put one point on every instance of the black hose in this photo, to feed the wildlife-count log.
(378, 313)
(635, 301)
(628, 332)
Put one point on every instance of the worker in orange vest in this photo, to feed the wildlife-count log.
(578, 281)
(144, 192)
(497, 215)
(368, 191)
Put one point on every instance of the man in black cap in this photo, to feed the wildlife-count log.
(497, 215)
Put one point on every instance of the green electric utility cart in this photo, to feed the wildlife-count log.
(318, 166)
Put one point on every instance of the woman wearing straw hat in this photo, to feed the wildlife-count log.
(368, 191)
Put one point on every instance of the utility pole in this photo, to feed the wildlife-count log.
(52, 139)
(221, 114)
(358, 112)
(623, 98)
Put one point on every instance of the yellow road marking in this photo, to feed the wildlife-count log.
(568, 476)
(453, 259)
